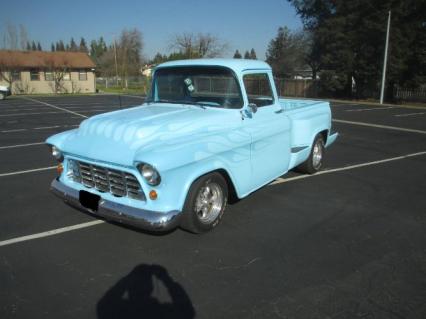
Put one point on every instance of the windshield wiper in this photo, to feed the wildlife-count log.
(201, 105)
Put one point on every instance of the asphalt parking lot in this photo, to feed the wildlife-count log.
(346, 243)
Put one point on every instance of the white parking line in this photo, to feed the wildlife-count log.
(277, 181)
(27, 171)
(20, 145)
(50, 233)
(410, 114)
(333, 170)
(55, 107)
(46, 127)
(26, 114)
(380, 126)
(15, 130)
(39, 128)
(373, 109)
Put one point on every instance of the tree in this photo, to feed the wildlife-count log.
(33, 46)
(349, 38)
(202, 45)
(127, 51)
(97, 49)
(237, 55)
(72, 46)
(58, 68)
(83, 46)
(158, 58)
(39, 48)
(23, 37)
(247, 55)
(10, 39)
(52, 47)
(28, 47)
(253, 54)
(286, 52)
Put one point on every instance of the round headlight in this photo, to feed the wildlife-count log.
(56, 153)
(150, 174)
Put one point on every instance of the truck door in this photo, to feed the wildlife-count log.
(269, 128)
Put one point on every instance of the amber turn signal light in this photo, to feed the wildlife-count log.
(153, 195)
(60, 169)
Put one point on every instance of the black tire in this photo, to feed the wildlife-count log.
(313, 164)
(2, 96)
(194, 219)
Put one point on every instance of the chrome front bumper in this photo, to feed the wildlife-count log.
(144, 219)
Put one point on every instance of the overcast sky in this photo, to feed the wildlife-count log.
(242, 24)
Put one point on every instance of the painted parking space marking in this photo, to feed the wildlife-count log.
(28, 171)
(373, 109)
(26, 114)
(50, 232)
(14, 130)
(346, 168)
(395, 128)
(410, 114)
(20, 145)
(39, 128)
(277, 181)
(56, 107)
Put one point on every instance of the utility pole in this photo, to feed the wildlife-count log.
(385, 62)
(115, 59)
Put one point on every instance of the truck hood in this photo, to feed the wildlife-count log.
(117, 137)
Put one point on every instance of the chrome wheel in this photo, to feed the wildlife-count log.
(209, 202)
(317, 155)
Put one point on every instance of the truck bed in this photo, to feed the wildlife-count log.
(292, 104)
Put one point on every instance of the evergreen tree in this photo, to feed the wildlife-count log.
(253, 54)
(72, 46)
(237, 55)
(61, 46)
(28, 46)
(33, 46)
(83, 46)
(285, 52)
(52, 48)
(349, 41)
(246, 55)
(39, 48)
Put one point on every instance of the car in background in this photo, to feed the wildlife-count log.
(4, 91)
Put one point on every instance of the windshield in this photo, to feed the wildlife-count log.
(203, 86)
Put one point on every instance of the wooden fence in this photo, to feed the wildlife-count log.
(297, 88)
(408, 95)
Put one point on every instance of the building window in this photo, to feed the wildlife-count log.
(48, 76)
(82, 75)
(16, 76)
(67, 76)
(35, 75)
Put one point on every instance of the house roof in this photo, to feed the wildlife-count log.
(41, 59)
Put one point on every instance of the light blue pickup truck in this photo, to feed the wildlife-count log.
(210, 130)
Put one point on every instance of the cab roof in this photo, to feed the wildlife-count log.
(237, 65)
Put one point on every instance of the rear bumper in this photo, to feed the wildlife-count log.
(144, 219)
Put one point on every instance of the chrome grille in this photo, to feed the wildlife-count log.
(105, 180)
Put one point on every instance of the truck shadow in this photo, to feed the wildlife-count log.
(147, 291)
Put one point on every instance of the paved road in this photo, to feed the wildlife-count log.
(347, 243)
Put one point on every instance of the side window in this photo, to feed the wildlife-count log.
(258, 89)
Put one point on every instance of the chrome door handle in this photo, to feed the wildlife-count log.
(279, 111)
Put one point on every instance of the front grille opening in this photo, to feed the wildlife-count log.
(105, 180)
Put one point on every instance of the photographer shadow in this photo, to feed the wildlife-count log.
(141, 294)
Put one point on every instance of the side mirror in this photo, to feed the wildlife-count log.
(252, 107)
